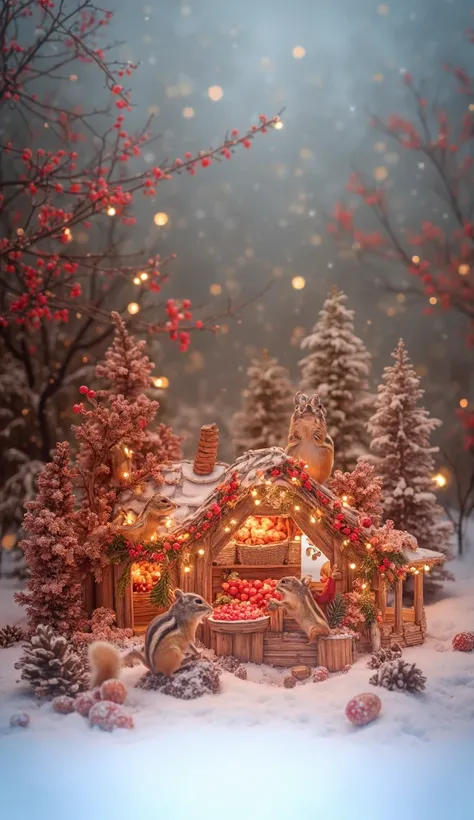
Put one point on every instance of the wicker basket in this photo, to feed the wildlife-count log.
(227, 555)
(263, 553)
(294, 552)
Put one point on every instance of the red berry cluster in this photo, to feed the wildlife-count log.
(84, 391)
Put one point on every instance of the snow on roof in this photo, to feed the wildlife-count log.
(181, 485)
(422, 556)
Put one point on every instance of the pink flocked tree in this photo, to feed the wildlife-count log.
(53, 593)
(361, 489)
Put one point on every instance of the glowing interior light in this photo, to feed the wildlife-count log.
(126, 475)
(187, 569)
(201, 552)
(352, 566)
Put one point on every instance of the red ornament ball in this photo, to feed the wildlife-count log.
(84, 702)
(113, 690)
(108, 715)
(63, 704)
(83, 389)
(20, 719)
(320, 674)
(464, 641)
(363, 709)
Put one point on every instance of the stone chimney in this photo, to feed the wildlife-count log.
(206, 453)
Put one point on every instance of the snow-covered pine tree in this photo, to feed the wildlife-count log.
(264, 418)
(53, 593)
(404, 457)
(337, 366)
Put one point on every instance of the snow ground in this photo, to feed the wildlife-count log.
(255, 750)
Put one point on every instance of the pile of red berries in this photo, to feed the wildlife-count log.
(257, 593)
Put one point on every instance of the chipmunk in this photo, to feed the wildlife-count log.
(299, 602)
(156, 508)
(166, 640)
(308, 438)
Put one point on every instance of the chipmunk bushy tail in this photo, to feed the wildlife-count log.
(106, 662)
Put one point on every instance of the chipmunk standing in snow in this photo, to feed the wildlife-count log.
(300, 604)
(166, 640)
(308, 438)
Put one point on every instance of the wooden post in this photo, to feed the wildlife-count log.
(381, 598)
(418, 595)
(105, 588)
(399, 606)
(123, 602)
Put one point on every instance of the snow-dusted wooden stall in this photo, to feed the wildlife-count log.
(268, 485)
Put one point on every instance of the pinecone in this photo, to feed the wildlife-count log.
(50, 666)
(10, 635)
(336, 610)
(384, 656)
(401, 676)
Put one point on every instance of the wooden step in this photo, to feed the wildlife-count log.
(286, 649)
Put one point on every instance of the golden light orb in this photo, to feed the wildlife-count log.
(162, 382)
(133, 308)
(215, 93)
(161, 219)
(299, 52)
(215, 290)
(111, 211)
(278, 125)
(463, 403)
(433, 300)
(463, 270)
(298, 282)
(440, 480)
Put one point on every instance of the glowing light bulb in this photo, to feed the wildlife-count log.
(463, 270)
(415, 260)
(463, 403)
(278, 125)
(201, 552)
(298, 52)
(187, 569)
(297, 507)
(440, 480)
(162, 382)
(126, 475)
(298, 282)
(215, 93)
(254, 492)
(433, 300)
(111, 211)
(144, 276)
(161, 219)
(352, 566)
(233, 521)
(364, 586)
(136, 280)
(426, 567)
(133, 308)
(313, 520)
(257, 502)
(168, 523)
(226, 529)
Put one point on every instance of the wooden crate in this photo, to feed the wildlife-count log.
(336, 652)
(243, 640)
(143, 611)
(286, 649)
